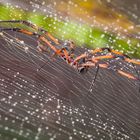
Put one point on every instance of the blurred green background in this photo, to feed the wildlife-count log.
(88, 23)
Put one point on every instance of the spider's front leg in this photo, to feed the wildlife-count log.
(24, 22)
(20, 31)
(37, 29)
(67, 51)
(100, 50)
(108, 50)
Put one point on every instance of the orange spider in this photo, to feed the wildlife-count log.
(65, 50)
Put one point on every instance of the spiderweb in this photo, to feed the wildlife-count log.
(55, 102)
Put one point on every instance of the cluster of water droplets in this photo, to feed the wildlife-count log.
(55, 103)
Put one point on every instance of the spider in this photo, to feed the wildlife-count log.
(44, 39)
(65, 50)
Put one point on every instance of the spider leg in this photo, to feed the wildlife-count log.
(20, 30)
(82, 56)
(132, 61)
(66, 55)
(48, 43)
(52, 38)
(99, 50)
(109, 50)
(102, 57)
(113, 51)
(117, 52)
(83, 68)
(128, 75)
(95, 51)
(91, 64)
(94, 78)
(60, 52)
(24, 22)
(33, 26)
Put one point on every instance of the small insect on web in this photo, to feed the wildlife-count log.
(65, 50)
